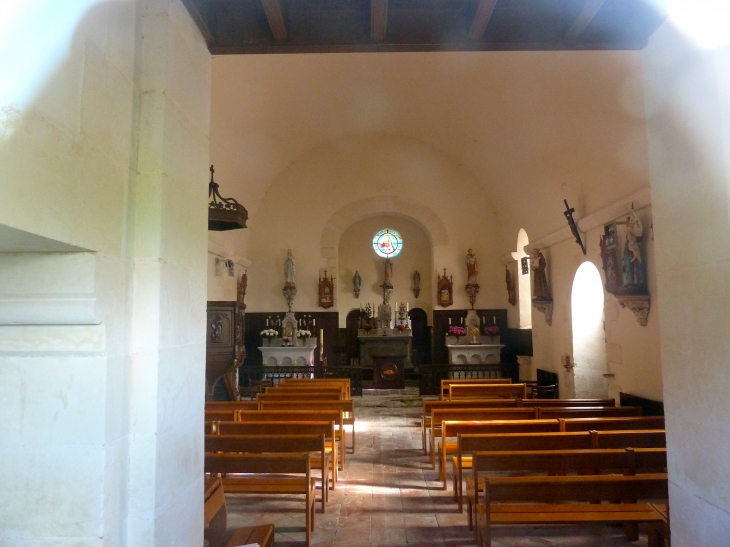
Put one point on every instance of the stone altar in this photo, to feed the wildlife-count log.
(467, 354)
(288, 355)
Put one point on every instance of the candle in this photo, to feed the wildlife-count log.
(267, 322)
(314, 322)
(462, 320)
(494, 320)
(449, 320)
(406, 307)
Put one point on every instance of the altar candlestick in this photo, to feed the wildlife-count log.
(267, 322)
(494, 320)
(314, 322)
(449, 320)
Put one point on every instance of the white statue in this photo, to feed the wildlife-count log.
(289, 269)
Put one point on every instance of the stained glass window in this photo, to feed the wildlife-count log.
(387, 243)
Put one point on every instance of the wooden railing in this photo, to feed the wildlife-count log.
(431, 375)
(276, 373)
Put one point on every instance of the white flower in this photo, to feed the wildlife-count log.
(303, 334)
(269, 333)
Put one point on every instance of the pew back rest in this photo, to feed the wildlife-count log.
(292, 396)
(270, 463)
(265, 443)
(481, 414)
(584, 488)
(525, 441)
(460, 427)
(570, 403)
(344, 406)
(655, 438)
(214, 406)
(585, 412)
(221, 415)
(304, 389)
(445, 384)
(292, 415)
(430, 406)
(482, 391)
(277, 428)
(612, 423)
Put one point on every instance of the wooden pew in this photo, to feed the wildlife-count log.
(289, 396)
(570, 403)
(585, 412)
(287, 428)
(429, 405)
(315, 381)
(541, 500)
(514, 442)
(221, 415)
(275, 443)
(303, 389)
(230, 405)
(301, 416)
(215, 522)
(444, 394)
(604, 424)
(653, 438)
(347, 407)
(268, 474)
(484, 391)
(439, 415)
(462, 462)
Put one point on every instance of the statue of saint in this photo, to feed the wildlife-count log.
(388, 272)
(540, 289)
(242, 284)
(634, 268)
(356, 283)
(289, 269)
(471, 267)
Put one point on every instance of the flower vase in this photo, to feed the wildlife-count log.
(267, 342)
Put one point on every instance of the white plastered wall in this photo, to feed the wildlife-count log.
(688, 98)
(102, 352)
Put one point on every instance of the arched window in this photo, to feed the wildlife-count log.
(524, 286)
(589, 338)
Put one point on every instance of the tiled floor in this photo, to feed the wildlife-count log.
(388, 495)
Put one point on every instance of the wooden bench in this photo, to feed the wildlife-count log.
(263, 429)
(461, 462)
(229, 405)
(301, 416)
(221, 415)
(472, 414)
(519, 442)
(604, 424)
(452, 428)
(586, 412)
(289, 396)
(257, 444)
(444, 394)
(541, 500)
(215, 522)
(483, 391)
(268, 474)
(286, 382)
(430, 405)
(514, 442)
(303, 389)
(347, 407)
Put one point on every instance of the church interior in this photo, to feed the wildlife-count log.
(479, 154)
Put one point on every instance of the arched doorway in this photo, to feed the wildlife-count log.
(589, 338)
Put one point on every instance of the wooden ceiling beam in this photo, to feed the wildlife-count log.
(275, 15)
(378, 20)
(584, 19)
(199, 18)
(481, 19)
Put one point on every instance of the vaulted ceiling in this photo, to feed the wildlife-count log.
(321, 26)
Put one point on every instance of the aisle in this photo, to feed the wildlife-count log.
(388, 495)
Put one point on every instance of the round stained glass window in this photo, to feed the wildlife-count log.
(387, 243)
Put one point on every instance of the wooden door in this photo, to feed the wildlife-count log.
(421, 352)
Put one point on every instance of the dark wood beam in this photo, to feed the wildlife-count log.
(584, 19)
(378, 20)
(275, 15)
(481, 19)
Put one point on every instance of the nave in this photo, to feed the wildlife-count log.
(389, 495)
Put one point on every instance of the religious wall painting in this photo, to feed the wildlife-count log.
(445, 290)
(609, 255)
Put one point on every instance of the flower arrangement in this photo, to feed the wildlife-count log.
(457, 331)
(303, 334)
(367, 327)
(491, 330)
(401, 328)
(269, 333)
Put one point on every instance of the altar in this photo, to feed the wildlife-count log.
(466, 354)
(389, 355)
(288, 355)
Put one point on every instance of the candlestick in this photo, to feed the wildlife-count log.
(267, 322)
(494, 320)
(314, 322)
(449, 320)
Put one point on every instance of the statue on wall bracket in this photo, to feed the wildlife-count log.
(416, 283)
(542, 300)
(472, 287)
(445, 290)
(290, 287)
(356, 284)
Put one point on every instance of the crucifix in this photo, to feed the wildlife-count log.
(573, 226)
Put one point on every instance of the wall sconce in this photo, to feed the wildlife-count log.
(224, 213)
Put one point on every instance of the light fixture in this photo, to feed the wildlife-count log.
(224, 213)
